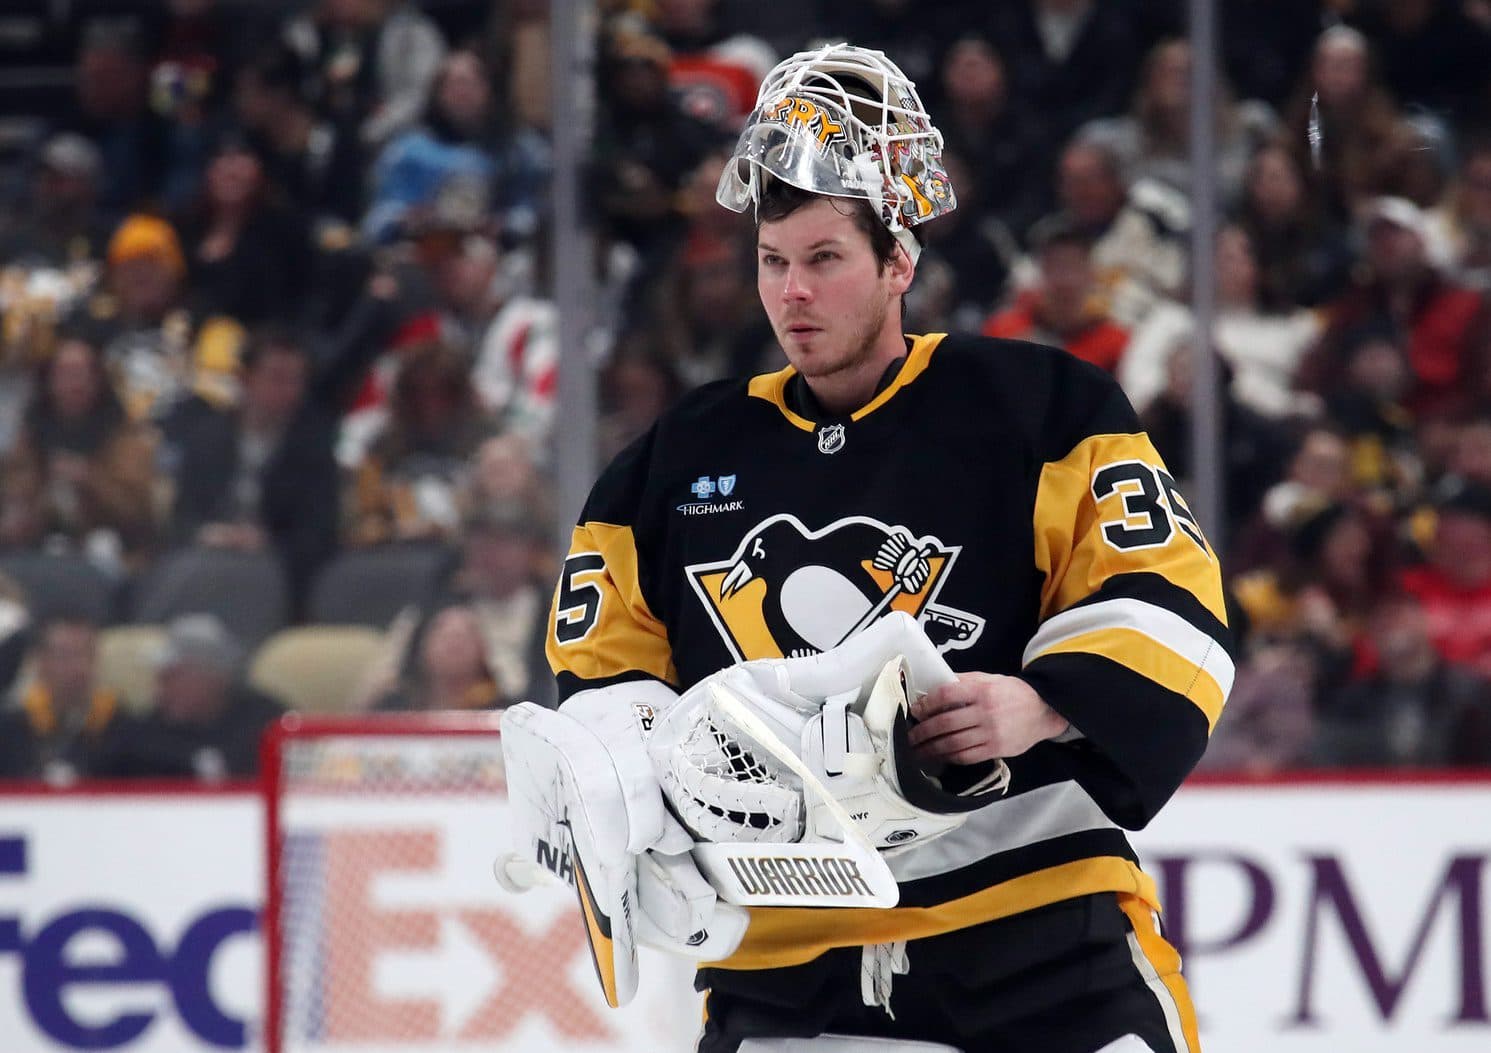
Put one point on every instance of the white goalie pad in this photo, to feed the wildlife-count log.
(585, 807)
(807, 760)
(574, 801)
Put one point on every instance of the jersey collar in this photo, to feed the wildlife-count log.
(773, 386)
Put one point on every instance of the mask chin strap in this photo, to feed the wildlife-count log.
(908, 241)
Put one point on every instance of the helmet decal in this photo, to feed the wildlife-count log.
(843, 121)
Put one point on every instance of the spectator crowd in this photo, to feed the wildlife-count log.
(278, 355)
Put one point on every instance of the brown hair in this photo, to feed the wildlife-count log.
(780, 199)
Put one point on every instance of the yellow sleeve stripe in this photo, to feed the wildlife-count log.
(1069, 546)
(783, 936)
(627, 637)
(1136, 651)
(1162, 627)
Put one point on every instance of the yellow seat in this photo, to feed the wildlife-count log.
(126, 663)
(315, 668)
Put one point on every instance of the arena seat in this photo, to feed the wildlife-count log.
(370, 586)
(246, 590)
(56, 585)
(315, 668)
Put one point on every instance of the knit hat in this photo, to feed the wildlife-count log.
(145, 237)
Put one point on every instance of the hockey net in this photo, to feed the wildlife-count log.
(384, 928)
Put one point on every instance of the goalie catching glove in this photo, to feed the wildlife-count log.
(798, 778)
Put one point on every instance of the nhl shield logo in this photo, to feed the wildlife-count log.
(831, 438)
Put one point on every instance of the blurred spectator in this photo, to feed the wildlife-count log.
(1443, 327)
(505, 473)
(1319, 595)
(247, 252)
(637, 385)
(82, 475)
(447, 667)
(62, 719)
(1152, 140)
(1423, 162)
(1262, 346)
(1269, 723)
(1138, 238)
(1470, 460)
(192, 52)
(498, 579)
(517, 47)
(1414, 710)
(995, 137)
(645, 146)
(1064, 308)
(1360, 127)
(1253, 448)
(264, 473)
(1368, 408)
(1318, 474)
(1459, 230)
(1304, 258)
(1432, 54)
(966, 262)
(916, 33)
(33, 301)
(1454, 586)
(113, 111)
(204, 721)
(315, 161)
(716, 68)
(58, 223)
(1265, 43)
(1070, 60)
(371, 62)
(464, 135)
(408, 484)
(143, 324)
(708, 315)
(516, 370)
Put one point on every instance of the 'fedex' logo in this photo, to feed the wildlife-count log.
(341, 919)
(52, 972)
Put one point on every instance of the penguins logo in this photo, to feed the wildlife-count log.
(789, 591)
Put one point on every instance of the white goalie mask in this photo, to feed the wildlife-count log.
(797, 777)
(846, 122)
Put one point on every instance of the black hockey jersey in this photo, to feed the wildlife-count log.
(1003, 494)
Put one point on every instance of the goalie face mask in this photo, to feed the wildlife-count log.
(843, 121)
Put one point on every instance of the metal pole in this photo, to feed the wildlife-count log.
(1207, 470)
(572, 51)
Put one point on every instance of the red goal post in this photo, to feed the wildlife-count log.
(384, 929)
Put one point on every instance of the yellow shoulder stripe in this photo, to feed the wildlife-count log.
(772, 387)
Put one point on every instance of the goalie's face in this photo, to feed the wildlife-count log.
(835, 307)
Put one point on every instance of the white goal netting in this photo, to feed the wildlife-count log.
(385, 929)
